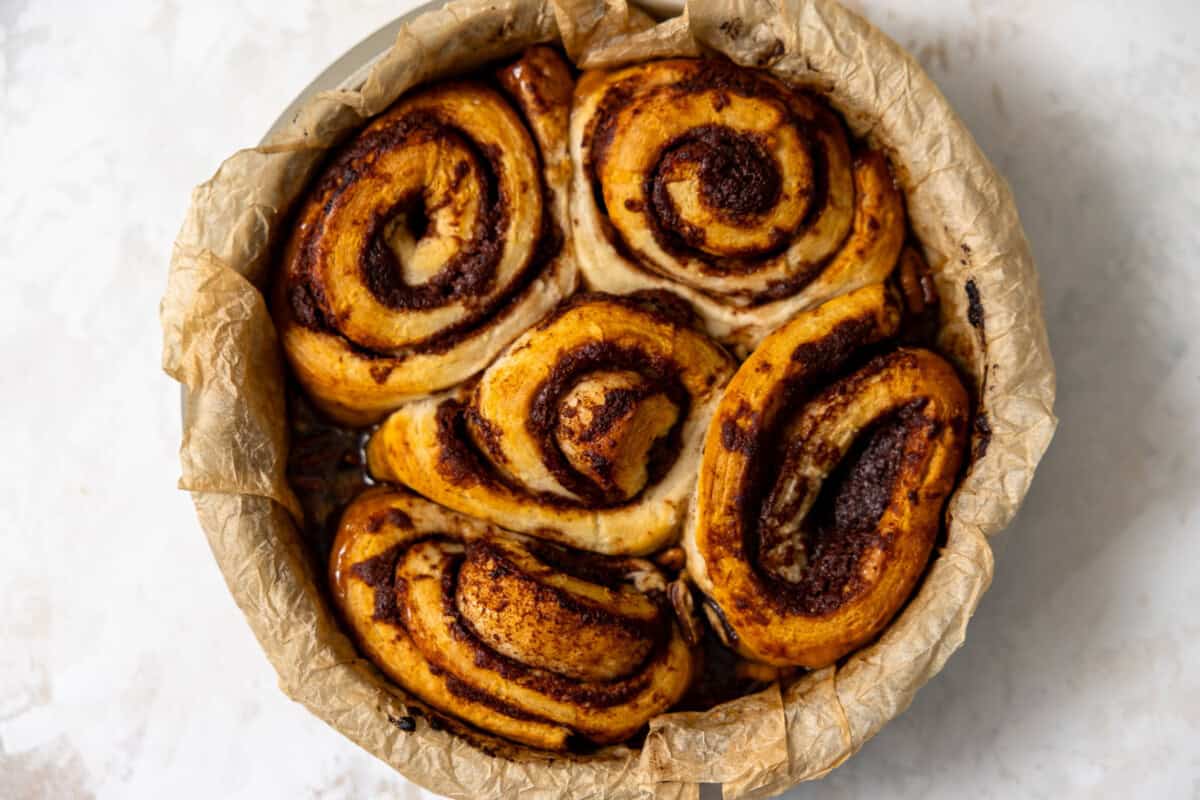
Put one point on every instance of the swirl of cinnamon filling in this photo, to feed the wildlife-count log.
(728, 187)
(820, 497)
(587, 430)
(430, 241)
(518, 637)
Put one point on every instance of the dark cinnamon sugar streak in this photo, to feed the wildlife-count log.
(658, 376)
(535, 643)
(739, 179)
(585, 431)
(469, 272)
(430, 240)
(823, 481)
(742, 193)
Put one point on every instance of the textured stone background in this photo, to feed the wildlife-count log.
(125, 668)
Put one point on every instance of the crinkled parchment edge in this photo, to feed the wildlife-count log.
(219, 342)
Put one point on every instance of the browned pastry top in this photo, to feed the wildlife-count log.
(719, 215)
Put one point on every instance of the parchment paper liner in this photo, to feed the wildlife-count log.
(219, 342)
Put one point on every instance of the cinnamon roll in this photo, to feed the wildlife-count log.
(518, 637)
(820, 493)
(587, 430)
(729, 187)
(430, 241)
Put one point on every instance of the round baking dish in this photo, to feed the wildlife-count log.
(807, 728)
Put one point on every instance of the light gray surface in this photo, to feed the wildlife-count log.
(125, 668)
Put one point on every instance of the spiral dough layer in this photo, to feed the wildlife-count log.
(587, 430)
(430, 241)
(728, 187)
(518, 637)
(803, 568)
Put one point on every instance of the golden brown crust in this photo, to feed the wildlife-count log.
(490, 627)
(427, 253)
(729, 187)
(430, 241)
(798, 586)
(495, 452)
